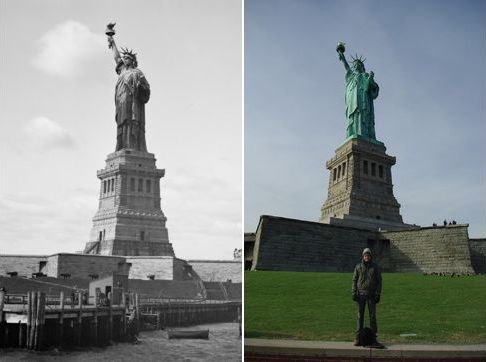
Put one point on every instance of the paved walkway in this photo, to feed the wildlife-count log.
(279, 349)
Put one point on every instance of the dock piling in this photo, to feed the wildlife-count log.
(110, 316)
(95, 322)
(56, 326)
(60, 334)
(29, 319)
(80, 318)
(2, 301)
(33, 320)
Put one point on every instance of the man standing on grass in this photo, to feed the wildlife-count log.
(366, 291)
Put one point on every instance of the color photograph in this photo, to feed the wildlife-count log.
(364, 179)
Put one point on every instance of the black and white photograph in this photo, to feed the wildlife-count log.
(121, 180)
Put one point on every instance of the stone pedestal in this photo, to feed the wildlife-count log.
(129, 220)
(360, 190)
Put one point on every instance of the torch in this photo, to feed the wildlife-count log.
(340, 49)
(110, 31)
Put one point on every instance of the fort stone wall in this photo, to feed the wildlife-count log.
(161, 267)
(24, 265)
(442, 249)
(297, 245)
(83, 265)
(477, 247)
(77, 265)
(217, 270)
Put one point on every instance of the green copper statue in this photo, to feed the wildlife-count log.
(361, 90)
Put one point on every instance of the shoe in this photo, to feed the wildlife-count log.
(377, 344)
(356, 342)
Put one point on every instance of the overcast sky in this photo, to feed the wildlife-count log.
(429, 60)
(58, 118)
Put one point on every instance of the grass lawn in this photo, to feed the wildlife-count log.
(318, 306)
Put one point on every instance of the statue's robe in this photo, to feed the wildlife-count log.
(131, 93)
(360, 93)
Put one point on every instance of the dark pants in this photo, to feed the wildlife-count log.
(370, 300)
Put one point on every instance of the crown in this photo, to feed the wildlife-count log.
(128, 53)
(357, 58)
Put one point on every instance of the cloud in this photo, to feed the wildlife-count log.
(43, 225)
(65, 48)
(211, 199)
(44, 134)
(14, 205)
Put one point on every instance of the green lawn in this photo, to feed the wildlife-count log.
(318, 306)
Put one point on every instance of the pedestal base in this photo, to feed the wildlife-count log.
(360, 190)
(129, 220)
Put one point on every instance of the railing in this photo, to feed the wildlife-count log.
(50, 299)
(15, 299)
(146, 299)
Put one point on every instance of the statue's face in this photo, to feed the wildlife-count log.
(359, 67)
(128, 62)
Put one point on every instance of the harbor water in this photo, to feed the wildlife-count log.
(224, 344)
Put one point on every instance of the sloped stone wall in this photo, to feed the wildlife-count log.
(184, 271)
(442, 249)
(477, 247)
(217, 270)
(297, 245)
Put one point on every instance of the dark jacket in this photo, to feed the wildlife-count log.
(367, 279)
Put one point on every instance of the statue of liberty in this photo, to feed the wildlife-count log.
(361, 90)
(131, 93)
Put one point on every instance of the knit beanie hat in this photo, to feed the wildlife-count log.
(367, 251)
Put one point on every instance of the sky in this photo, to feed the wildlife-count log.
(429, 60)
(58, 123)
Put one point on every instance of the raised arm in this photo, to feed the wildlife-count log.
(116, 53)
(345, 62)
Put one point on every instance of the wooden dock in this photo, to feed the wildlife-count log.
(36, 321)
(41, 323)
(163, 314)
